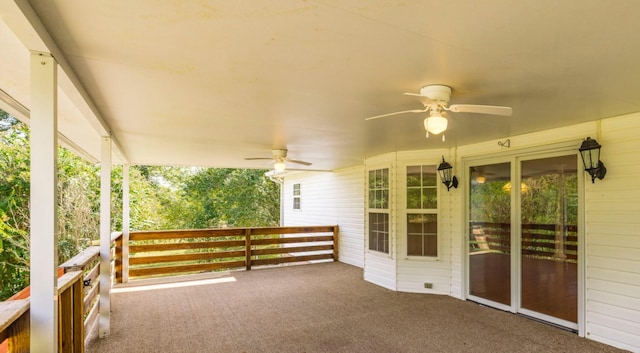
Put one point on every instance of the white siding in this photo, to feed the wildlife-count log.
(613, 238)
(330, 199)
(380, 268)
(414, 272)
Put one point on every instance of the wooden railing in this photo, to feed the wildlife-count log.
(161, 253)
(158, 253)
(14, 318)
(78, 290)
(545, 241)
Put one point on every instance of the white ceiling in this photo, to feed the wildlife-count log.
(211, 82)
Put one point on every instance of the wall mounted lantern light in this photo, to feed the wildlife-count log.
(590, 152)
(448, 179)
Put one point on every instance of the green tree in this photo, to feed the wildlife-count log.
(230, 197)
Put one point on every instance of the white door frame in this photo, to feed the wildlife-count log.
(515, 158)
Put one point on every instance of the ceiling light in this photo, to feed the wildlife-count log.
(279, 166)
(435, 123)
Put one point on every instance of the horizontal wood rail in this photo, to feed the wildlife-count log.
(544, 241)
(78, 289)
(168, 252)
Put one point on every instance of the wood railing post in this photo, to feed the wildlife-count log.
(247, 246)
(71, 309)
(335, 243)
(77, 291)
(118, 260)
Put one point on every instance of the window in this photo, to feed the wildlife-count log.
(422, 211)
(422, 235)
(296, 196)
(379, 210)
(379, 188)
(379, 232)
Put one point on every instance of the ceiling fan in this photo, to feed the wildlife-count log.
(279, 158)
(435, 99)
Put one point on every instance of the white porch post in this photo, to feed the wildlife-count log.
(105, 238)
(44, 216)
(125, 223)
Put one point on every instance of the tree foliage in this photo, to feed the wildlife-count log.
(160, 198)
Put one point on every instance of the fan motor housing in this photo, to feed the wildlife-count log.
(439, 93)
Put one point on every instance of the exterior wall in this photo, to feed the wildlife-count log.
(328, 199)
(414, 272)
(609, 271)
(380, 268)
(613, 238)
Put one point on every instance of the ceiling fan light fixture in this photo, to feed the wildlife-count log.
(435, 123)
(279, 166)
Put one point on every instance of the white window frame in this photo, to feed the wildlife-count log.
(404, 212)
(297, 197)
(514, 158)
(387, 211)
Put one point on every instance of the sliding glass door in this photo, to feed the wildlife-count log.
(490, 232)
(549, 237)
(523, 239)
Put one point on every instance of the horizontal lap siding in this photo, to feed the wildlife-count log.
(380, 270)
(413, 272)
(456, 242)
(330, 198)
(613, 238)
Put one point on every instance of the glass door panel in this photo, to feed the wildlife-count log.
(549, 241)
(490, 232)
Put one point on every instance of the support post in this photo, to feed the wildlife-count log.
(336, 241)
(44, 222)
(125, 223)
(104, 319)
(247, 248)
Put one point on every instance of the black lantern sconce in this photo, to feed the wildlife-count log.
(446, 175)
(590, 152)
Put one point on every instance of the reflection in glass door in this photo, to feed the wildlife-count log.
(549, 238)
(490, 233)
(529, 267)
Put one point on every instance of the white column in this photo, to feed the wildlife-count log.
(125, 223)
(105, 238)
(44, 217)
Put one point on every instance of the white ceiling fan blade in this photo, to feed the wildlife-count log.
(396, 113)
(257, 158)
(480, 109)
(297, 161)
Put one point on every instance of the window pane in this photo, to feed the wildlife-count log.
(413, 176)
(431, 245)
(296, 203)
(372, 179)
(414, 245)
(385, 199)
(413, 198)
(422, 190)
(490, 232)
(429, 175)
(429, 198)
(549, 236)
(422, 235)
(379, 232)
(385, 178)
(379, 188)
